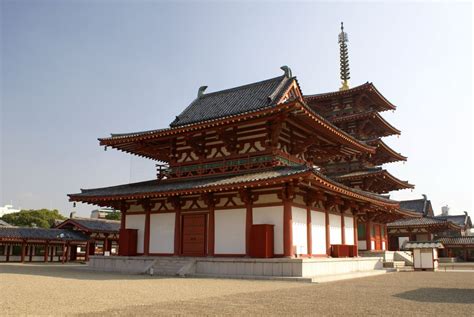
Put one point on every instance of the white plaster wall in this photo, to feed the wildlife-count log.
(372, 245)
(137, 222)
(383, 245)
(402, 240)
(230, 231)
(335, 232)
(300, 231)
(318, 232)
(349, 230)
(272, 216)
(162, 233)
(362, 245)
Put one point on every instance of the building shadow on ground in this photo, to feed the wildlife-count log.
(439, 295)
(70, 271)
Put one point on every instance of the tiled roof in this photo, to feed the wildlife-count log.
(422, 245)
(457, 240)
(129, 191)
(94, 225)
(460, 220)
(156, 186)
(41, 234)
(422, 206)
(416, 222)
(234, 101)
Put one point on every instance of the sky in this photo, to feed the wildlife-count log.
(74, 71)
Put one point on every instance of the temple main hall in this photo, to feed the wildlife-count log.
(262, 170)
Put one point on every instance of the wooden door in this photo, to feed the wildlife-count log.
(378, 240)
(194, 235)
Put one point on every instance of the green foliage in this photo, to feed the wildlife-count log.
(115, 215)
(42, 218)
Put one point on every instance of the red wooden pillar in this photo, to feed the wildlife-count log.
(210, 201)
(328, 233)
(106, 244)
(8, 253)
(30, 250)
(309, 230)
(343, 229)
(177, 204)
(146, 238)
(23, 250)
(287, 229)
(211, 235)
(248, 199)
(248, 226)
(87, 251)
(63, 257)
(53, 248)
(46, 249)
(356, 237)
(123, 219)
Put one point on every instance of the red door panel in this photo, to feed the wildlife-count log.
(194, 235)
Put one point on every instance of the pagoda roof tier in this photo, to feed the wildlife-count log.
(432, 224)
(277, 175)
(367, 90)
(377, 180)
(383, 127)
(155, 143)
(384, 153)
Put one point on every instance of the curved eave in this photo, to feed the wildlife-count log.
(121, 141)
(314, 178)
(381, 174)
(376, 118)
(369, 87)
(382, 146)
(409, 214)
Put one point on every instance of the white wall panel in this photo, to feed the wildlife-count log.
(318, 232)
(300, 233)
(162, 233)
(335, 231)
(230, 231)
(272, 216)
(137, 222)
(362, 245)
(349, 230)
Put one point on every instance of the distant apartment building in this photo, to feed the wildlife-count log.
(7, 209)
(102, 213)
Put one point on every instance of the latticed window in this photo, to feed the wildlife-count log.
(372, 231)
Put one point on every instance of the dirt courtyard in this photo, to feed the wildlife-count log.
(53, 289)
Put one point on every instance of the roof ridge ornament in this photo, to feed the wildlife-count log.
(201, 91)
(287, 71)
(344, 58)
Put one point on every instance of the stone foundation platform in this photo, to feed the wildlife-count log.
(235, 267)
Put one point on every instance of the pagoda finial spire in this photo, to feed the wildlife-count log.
(344, 58)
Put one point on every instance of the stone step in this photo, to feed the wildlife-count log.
(394, 264)
(169, 267)
(405, 269)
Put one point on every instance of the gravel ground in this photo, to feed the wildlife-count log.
(60, 290)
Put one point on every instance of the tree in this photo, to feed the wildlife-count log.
(42, 218)
(114, 215)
